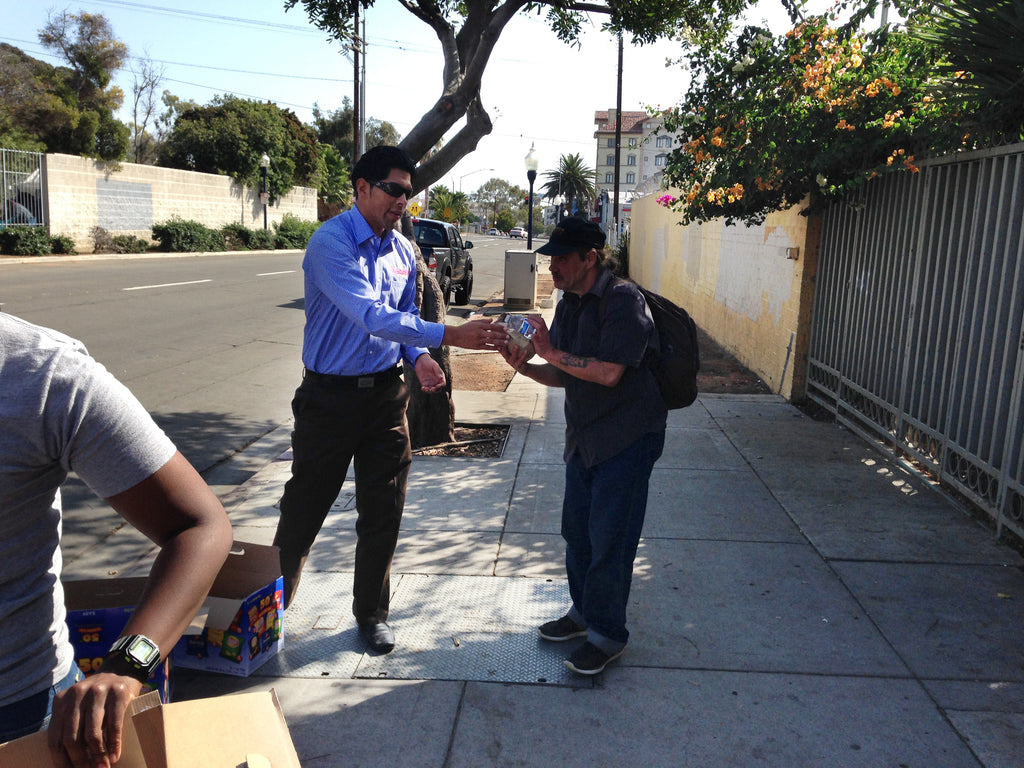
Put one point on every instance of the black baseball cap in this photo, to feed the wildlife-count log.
(571, 235)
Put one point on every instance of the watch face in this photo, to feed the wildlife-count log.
(142, 649)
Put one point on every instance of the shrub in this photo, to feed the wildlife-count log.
(25, 241)
(183, 236)
(130, 244)
(236, 237)
(103, 241)
(62, 244)
(261, 240)
(293, 232)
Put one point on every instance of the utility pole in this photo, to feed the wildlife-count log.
(357, 105)
(614, 240)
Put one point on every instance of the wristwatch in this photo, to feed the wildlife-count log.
(132, 655)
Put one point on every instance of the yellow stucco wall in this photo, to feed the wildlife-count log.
(741, 284)
(126, 198)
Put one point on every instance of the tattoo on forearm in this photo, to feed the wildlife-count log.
(572, 361)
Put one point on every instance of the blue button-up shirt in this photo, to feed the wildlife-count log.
(361, 315)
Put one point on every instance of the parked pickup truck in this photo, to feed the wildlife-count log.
(447, 256)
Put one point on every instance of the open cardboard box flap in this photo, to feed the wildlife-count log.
(247, 568)
(221, 732)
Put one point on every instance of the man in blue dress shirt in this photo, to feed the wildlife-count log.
(361, 322)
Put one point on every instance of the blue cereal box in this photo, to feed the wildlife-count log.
(97, 611)
(242, 616)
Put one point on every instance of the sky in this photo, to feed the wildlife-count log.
(537, 90)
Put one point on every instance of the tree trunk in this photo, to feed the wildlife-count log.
(431, 415)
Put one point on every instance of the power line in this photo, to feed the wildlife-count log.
(212, 16)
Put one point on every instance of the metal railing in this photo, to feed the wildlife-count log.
(917, 336)
(22, 191)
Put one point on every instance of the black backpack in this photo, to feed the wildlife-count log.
(675, 358)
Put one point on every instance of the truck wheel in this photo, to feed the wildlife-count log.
(446, 289)
(464, 289)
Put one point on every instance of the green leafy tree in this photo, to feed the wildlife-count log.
(335, 128)
(469, 30)
(229, 135)
(574, 181)
(501, 200)
(983, 70)
(817, 111)
(86, 43)
(68, 109)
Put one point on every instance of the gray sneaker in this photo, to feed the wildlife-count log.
(560, 630)
(588, 659)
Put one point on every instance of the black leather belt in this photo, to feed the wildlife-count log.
(369, 381)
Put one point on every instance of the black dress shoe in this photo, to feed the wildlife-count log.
(378, 636)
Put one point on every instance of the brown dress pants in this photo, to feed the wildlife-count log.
(336, 423)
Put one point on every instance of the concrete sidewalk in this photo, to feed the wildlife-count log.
(798, 600)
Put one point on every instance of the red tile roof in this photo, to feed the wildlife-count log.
(632, 122)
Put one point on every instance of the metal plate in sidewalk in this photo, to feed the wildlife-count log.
(474, 628)
(320, 636)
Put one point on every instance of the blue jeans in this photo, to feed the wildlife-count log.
(32, 713)
(602, 518)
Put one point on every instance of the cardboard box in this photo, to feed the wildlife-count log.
(243, 614)
(97, 610)
(205, 733)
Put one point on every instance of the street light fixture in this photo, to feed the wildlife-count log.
(470, 174)
(531, 174)
(558, 208)
(264, 197)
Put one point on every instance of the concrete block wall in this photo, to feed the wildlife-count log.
(125, 198)
(749, 288)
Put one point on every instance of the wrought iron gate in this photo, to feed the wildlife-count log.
(917, 336)
(22, 191)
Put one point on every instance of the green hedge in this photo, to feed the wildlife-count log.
(293, 232)
(183, 236)
(25, 241)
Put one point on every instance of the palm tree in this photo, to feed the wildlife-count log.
(984, 65)
(574, 181)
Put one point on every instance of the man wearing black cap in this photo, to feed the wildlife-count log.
(615, 432)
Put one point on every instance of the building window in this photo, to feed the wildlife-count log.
(660, 161)
(664, 141)
(610, 160)
(609, 178)
(632, 143)
(610, 143)
(631, 178)
(631, 160)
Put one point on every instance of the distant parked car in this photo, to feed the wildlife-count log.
(493, 231)
(447, 256)
(517, 232)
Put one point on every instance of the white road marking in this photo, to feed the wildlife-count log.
(165, 285)
(269, 274)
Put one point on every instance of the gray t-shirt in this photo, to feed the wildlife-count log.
(60, 410)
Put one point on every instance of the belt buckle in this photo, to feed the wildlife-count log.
(365, 382)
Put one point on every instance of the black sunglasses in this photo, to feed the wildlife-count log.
(394, 189)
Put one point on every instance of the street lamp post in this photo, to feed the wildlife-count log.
(558, 208)
(531, 175)
(264, 197)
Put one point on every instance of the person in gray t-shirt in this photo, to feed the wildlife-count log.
(61, 411)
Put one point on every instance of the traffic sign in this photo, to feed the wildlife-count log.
(414, 208)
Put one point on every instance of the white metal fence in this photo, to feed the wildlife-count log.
(917, 335)
(22, 189)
